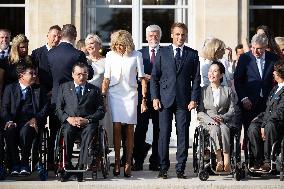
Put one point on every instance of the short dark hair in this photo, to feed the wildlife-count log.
(239, 46)
(221, 68)
(69, 31)
(79, 64)
(179, 25)
(22, 67)
(54, 27)
(279, 68)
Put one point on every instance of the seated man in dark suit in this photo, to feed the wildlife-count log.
(268, 126)
(24, 111)
(79, 107)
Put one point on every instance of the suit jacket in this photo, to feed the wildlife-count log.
(227, 108)
(147, 70)
(90, 106)
(274, 113)
(169, 83)
(39, 57)
(248, 82)
(12, 98)
(61, 60)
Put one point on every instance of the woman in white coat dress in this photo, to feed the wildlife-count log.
(123, 66)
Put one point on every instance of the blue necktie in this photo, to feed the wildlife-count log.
(177, 57)
(79, 92)
(2, 55)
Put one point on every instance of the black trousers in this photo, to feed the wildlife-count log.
(23, 137)
(86, 134)
(140, 135)
(54, 125)
(2, 146)
(261, 149)
(182, 117)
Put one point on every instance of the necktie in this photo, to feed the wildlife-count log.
(152, 59)
(25, 93)
(177, 57)
(260, 65)
(79, 92)
(2, 54)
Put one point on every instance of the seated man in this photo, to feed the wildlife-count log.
(79, 107)
(268, 126)
(25, 108)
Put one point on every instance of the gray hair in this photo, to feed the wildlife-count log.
(153, 28)
(260, 39)
(95, 37)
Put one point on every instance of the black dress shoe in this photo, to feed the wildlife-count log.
(116, 173)
(154, 167)
(137, 167)
(80, 177)
(181, 175)
(163, 174)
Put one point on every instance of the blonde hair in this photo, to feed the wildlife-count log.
(14, 57)
(95, 37)
(124, 38)
(211, 46)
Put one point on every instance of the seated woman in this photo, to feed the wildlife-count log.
(268, 126)
(218, 112)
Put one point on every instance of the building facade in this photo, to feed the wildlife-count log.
(230, 20)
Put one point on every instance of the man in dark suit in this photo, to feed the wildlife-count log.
(253, 80)
(79, 108)
(268, 126)
(24, 110)
(39, 57)
(5, 36)
(175, 89)
(153, 36)
(61, 60)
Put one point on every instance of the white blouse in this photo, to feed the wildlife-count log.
(216, 97)
(124, 67)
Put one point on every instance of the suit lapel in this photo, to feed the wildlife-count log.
(210, 100)
(266, 65)
(35, 98)
(17, 96)
(73, 96)
(254, 65)
(171, 57)
(85, 93)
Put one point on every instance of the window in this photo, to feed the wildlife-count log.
(266, 12)
(105, 16)
(12, 14)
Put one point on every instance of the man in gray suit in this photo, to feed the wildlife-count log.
(79, 107)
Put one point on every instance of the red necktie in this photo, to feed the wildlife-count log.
(152, 59)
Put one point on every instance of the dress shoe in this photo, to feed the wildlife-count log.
(181, 175)
(116, 173)
(137, 167)
(163, 174)
(15, 170)
(80, 177)
(154, 167)
(219, 166)
(256, 167)
(227, 168)
(25, 171)
(127, 175)
(266, 167)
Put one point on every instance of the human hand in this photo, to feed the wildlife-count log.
(218, 119)
(147, 77)
(81, 122)
(72, 121)
(247, 104)
(144, 106)
(10, 124)
(192, 105)
(157, 104)
(262, 133)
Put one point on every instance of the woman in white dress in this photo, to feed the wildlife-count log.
(123, 65)
(214, 50)
(97, 61)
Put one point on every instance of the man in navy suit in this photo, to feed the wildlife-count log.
(253, 79)
(175, 89)
(153, 36)
(61, 60)
(24, 111)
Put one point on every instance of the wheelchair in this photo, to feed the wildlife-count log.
(98, 160)
(204, 159)
(276, 162)
(38, 158)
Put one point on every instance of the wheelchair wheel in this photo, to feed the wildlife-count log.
(203, 175)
